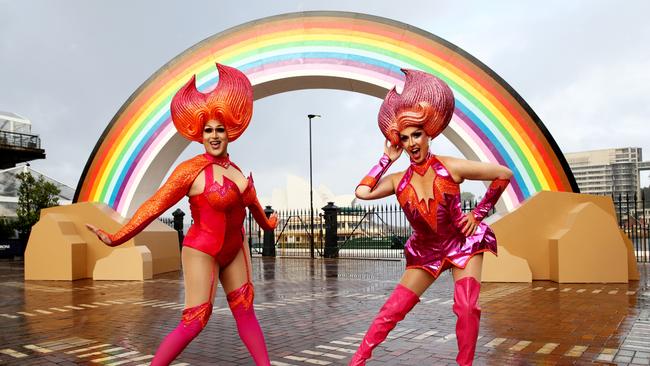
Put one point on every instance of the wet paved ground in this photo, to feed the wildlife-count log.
(315, 313)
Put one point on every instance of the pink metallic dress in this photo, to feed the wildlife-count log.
(437, 242)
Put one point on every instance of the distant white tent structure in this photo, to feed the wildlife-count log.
(9, 184)
(296, 196)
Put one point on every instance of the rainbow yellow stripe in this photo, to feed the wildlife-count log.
(287, 52)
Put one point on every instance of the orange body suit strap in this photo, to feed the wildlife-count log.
(253, 204)
(177, 185)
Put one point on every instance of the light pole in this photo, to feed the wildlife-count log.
(311, 191)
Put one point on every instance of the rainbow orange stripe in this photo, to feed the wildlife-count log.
(494, 122)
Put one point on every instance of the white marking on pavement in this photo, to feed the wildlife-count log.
(494, 343)
(338, 349)
(520, 345)
(547, 348)
(607, 354)
(576, 351)
(73, 307)
(122, 355)
(12, 353)
(87, 348)
(324, 354)
(426, 335)
(36, 348)
(308, 360)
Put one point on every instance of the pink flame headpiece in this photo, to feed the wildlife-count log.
(231, 103)
(426, 102)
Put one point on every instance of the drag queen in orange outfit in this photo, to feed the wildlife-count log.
(219, 194)
(429, 193)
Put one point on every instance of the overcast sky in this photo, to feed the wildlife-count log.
(68, 66)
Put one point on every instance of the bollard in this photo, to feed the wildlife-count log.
(331, 230)
(268, 249)
(178, 215)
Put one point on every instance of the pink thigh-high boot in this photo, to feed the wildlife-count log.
(466, 292)
(241, 305)
(193, 321)
(400, 302)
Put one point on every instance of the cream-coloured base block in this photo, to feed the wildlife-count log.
(125, 264)
(505, 268)
(578, 253)
(61, 248)
(541, 231)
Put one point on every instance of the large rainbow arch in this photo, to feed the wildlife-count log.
(324, 49)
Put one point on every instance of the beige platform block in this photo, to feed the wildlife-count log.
(505, 268)
(55, 250)
(527, 233)
(588, 249)
(49, 243)
(132, 263)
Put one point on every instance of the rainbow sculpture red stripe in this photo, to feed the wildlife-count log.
(301, 50)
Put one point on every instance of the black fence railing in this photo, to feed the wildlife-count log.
(23, 140)
(381, 231)
(633, 214)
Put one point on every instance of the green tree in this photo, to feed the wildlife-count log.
(33, 195)
(6, 228)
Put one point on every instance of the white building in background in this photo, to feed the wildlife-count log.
(9, 185)
(608, 171)
(295, 196)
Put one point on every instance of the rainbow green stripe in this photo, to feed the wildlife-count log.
(353, 52)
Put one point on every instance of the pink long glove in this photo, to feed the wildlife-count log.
(490, 199)
(376, 172)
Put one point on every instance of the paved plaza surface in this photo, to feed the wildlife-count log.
(314, 312)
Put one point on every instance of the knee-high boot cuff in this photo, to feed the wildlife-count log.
(466, 294)
(192, 323)
(400, 302)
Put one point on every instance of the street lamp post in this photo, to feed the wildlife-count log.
(311, 191)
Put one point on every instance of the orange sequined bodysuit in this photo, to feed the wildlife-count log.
(218, 212)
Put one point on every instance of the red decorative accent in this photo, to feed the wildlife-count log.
(201, 312)
(408, 198)
(426, 102)
(222, 161)
(241, 298)
(368, 181)
(230, 103)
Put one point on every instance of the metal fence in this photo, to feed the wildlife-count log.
(292, 236)
(381, 231)
(633, 214)
(377, 231)
(23, 140)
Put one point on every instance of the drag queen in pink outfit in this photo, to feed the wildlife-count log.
(219, 193)
(429, 193)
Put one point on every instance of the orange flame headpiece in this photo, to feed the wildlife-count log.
(426, 102)
(231, 103)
